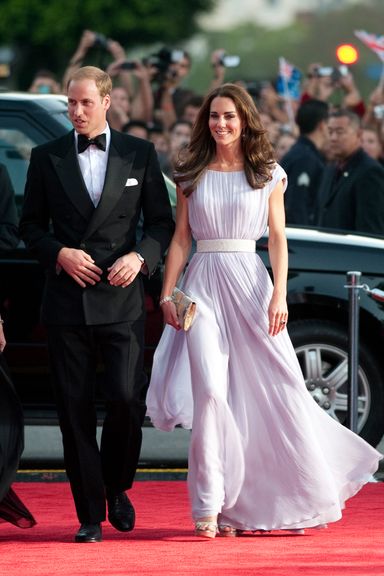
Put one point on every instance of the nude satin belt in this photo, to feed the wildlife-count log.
(226, 245)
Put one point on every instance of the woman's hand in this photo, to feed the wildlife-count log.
(170, 315)
(277, 314)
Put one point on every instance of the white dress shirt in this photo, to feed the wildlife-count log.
(93, 165)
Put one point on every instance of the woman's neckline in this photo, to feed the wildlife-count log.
(224, 171)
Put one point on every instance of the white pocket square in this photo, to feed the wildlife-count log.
(131, 182)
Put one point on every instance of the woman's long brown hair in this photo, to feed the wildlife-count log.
(258, 153)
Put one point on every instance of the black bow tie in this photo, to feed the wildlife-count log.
(83, 142)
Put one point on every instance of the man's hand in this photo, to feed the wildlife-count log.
(124, 270)
(116, 50)
(79, 265)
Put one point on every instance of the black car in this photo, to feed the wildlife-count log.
(27, 120)
(317, 297)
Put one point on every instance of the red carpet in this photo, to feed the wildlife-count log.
(163, 541)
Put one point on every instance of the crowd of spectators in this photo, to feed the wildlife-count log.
(149, 100)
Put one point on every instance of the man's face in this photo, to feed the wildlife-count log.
(86, 108)
(370, 142)
(344, 137)
(191, 113)
(180, 136)
(179, 70)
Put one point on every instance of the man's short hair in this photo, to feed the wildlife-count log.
(354, 118)
(102, 79)
(310, 114)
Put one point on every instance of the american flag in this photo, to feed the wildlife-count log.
(374, 42)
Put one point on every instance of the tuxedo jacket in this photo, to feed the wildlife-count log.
(353, 200)
(58, 212)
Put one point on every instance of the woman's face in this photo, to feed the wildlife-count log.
(225, 123)
(371, 143)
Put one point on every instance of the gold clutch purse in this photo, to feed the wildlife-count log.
(185, 308)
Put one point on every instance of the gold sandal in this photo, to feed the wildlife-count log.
(227, 531)
(205, 529)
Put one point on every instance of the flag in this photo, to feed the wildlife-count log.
(285, 68)
(374, 42)
(289, 80)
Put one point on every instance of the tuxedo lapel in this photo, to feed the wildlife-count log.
(68, 171)
(118, 168)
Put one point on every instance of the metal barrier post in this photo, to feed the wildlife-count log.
(353, 284)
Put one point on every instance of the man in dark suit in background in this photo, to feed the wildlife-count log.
(83, 199)
(304, 163)
(352, 189)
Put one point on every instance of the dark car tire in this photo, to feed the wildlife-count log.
(322, 351)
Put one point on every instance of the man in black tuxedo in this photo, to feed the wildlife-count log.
(352, 189)
(83, 199)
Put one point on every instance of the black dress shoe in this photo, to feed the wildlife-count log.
(121, 513)
(89, 533)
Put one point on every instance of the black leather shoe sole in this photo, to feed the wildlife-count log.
(89, 533)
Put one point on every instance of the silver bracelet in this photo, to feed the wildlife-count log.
(165, 299)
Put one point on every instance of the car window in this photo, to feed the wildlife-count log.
(19, 133)
(15, 151)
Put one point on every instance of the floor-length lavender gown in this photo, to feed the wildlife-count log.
(262, 453)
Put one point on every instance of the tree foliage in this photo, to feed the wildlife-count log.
(47, 31)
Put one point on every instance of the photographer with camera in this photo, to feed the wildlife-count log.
(134, 77)
(130, 76)
(322, 82)
(169, 68)
(220, 61)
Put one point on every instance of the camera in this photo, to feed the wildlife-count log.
(335, 73)
(230, 61)
(162, 62)
(101, 41)
(128, 65)
(378, 111)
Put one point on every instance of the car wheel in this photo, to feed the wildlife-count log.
(322, 350)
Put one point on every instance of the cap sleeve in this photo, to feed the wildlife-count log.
(278, 174)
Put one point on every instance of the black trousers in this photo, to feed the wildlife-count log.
(74, 352)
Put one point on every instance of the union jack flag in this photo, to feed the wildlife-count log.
(285, 68)
(374, 42)
(289, 79)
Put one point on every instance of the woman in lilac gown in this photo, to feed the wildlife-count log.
(11, 446)
(263, 456)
